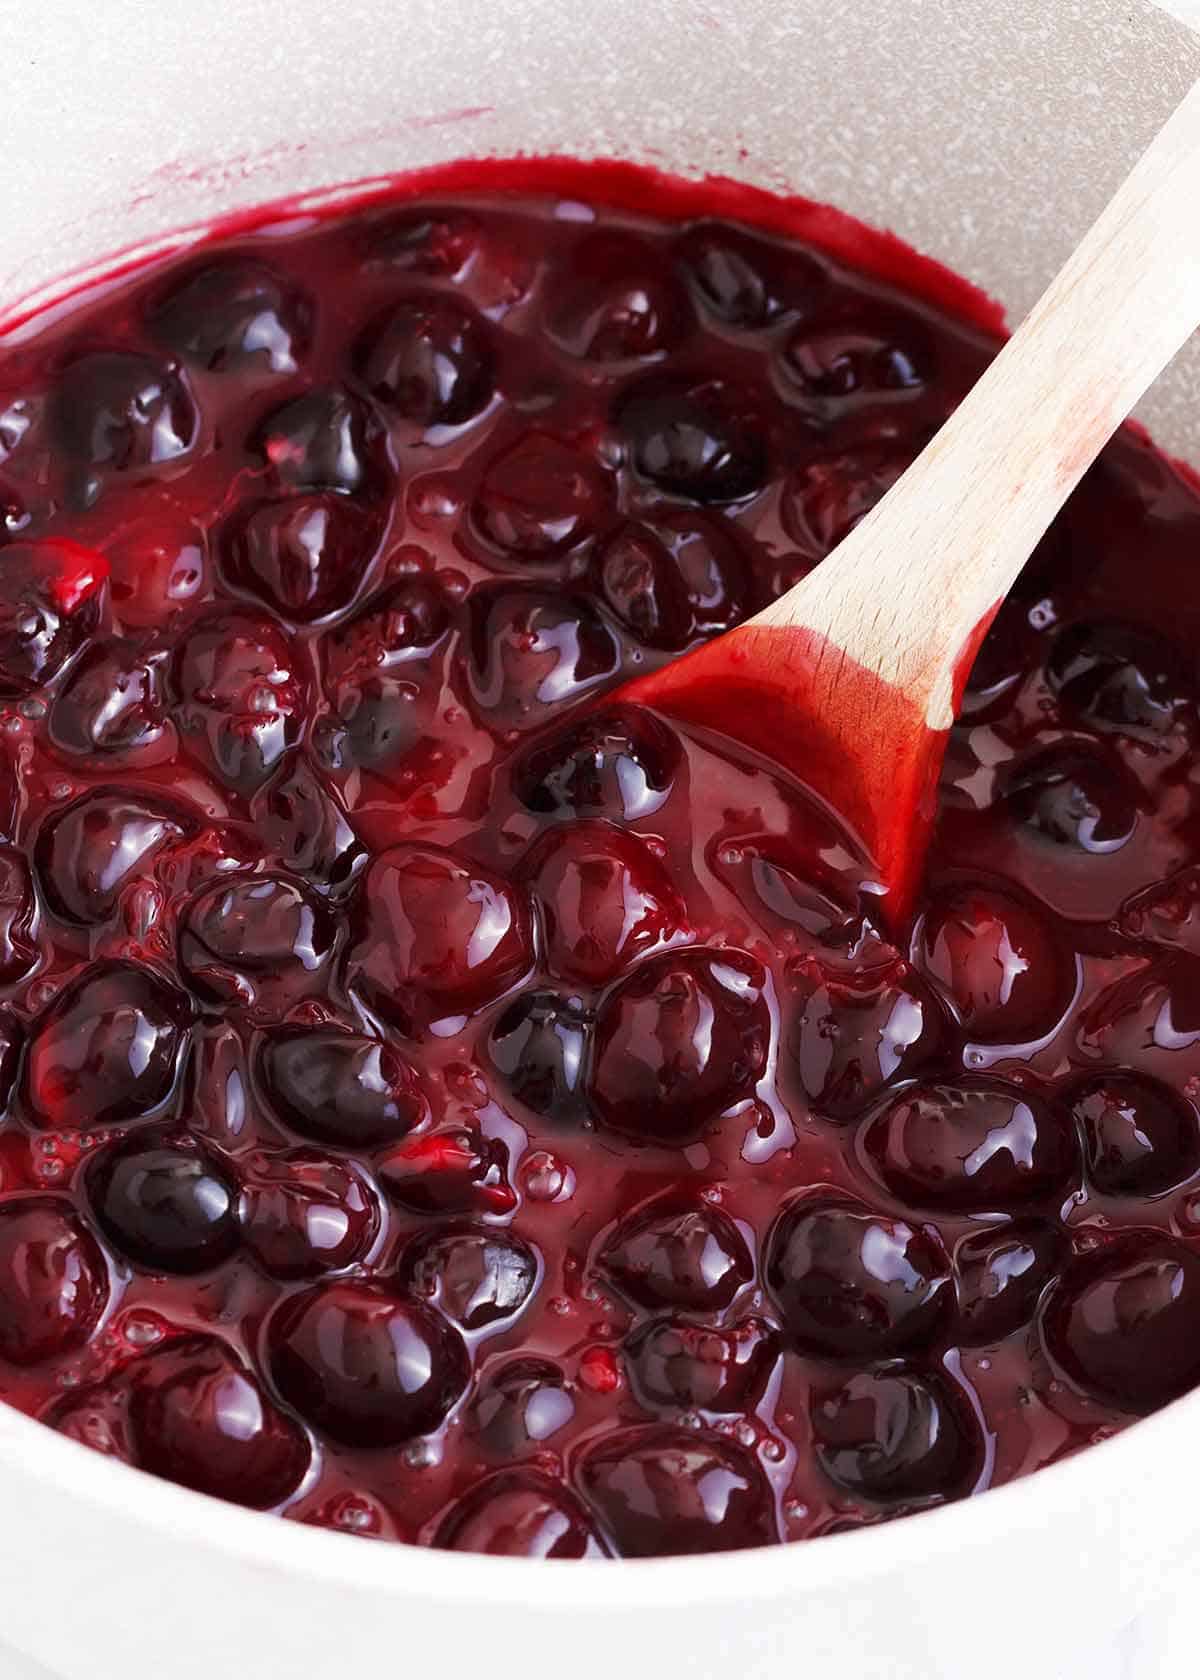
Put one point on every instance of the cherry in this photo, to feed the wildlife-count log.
(366, 1366)
(197, 1417)
(302, 823)
(478, 1278)
(665, 1257)
(851, 1038)
(251, 940)
(157, 553)
(436, 936)
(540, 1045)
(620, 763)
(320, 441)
(1125, 1323)
(604, 897)
(96, 1417)
(1117, 678)
(825, 497)
(165, 1202)
(520, 1513)
(112, 704)
(531, 652)
(660, 1491)
(1140, 1137)
(743, 279)
(118, 410)
(539, 499)
(676, 578)
(18, 952)
(1009, 978)
(429, 360)
(676, 1364)
(376, 670)
(106, 1049)
(1075, 797)
(896, 1437)
(681, 1039)
(53, 1281)
(303, 556)
(518, 1404)
(856, 1285)
(614, 300)
(1001, 1274)
(340, 1087)
(235, 317)
(1166, 913)
(304, 1215)
(100, 845)
(434, 242)
(239, 697)
(449, 1171)
(975, 1144)
(50, 597)
(697, 440)
(841, 364)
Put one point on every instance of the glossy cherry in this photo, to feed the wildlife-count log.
(165, 1202)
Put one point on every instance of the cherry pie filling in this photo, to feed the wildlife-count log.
(445, 1103)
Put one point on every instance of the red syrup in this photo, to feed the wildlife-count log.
(446, 1104)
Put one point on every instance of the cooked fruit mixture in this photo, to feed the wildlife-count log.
(446, 1104)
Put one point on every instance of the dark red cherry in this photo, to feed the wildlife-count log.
(50, 596)
(896, 1437)
(429, 360)
(1166, 913)
(665, 1257)
(253, 940)
(1140, 1137)
(240, 697)
(320, 441)
(520, 1513)
(165, 1202)
(112, 703)
(519, 1404)
(850, 1038)
(304, 556)
(436, 936)
(743, 279)
(662, 1491)
(824, 498)
(378, 673)
(157, 551)
(620, 763)
(843, 364)
(18, 952)
(300, 821)
(676, 578)
(1118, 678)
(303, 1214)
(539, 498)
(973, 1145)
(99, 846)
(682, 1038)
(604, 898)
(856, 1285)
(235, 316)
(118, 410)
(1074, 797)
(368, 1367)
(53, 1281)
(451, 1171)
(613, 299)
(695, 440)
(106, 1049)
(540, 1045)
(198, 1417)
(531, 652)
(1001, 1272)
(340, 1087)
(434, 242)
(681, 1365)
(1125, 1323)
(97, 1417)
(1007, 974)
(478, 1278)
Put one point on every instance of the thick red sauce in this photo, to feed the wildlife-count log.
(443, 1106)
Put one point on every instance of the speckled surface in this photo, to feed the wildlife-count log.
(987, 133)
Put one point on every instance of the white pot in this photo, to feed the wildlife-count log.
(986, 133)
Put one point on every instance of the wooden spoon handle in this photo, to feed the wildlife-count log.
(955, 531)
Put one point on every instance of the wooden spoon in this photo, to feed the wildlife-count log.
(853, 678)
